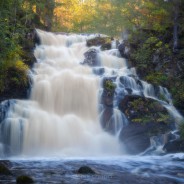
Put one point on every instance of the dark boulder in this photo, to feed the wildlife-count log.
(24, 179)
(35, 37)
(4, 106)
(174, 146)
(147, 118)
(91, 57)
(107, 98)
(108, 92)
(136, 136)
(107, 120)
(85, 170)
(124, 50)
(142, 110)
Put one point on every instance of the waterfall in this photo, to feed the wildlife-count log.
(61, 117)
(64, 113)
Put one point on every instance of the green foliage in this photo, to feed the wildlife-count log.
(146, 111)
(13, 73)
(156, 78)
(17, 18)
(109, 85)
(147, 47)
(177, 91)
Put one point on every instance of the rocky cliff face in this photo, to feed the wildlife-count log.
(147, 118)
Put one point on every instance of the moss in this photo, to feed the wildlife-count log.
(145, 110)
(24, 180)
(156, 78)
(109, 85)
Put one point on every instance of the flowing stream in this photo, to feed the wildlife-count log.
(62, 117)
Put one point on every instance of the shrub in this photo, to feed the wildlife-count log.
(109, 85)
(13, 72)
(156, 78)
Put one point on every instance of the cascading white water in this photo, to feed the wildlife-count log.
(61, 118)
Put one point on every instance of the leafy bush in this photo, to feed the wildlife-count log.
(13, 73)
(156, 78)
(109, 85)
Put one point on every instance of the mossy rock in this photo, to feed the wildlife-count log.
(24, 179)
(104, 42)
(144, 110)
(85, 170)
(109, 85)
(4, 170)
(157, 78)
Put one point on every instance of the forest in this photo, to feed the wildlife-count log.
(153, 30)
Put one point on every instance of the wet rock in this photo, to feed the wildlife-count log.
(4, 169)
(147, 118)
(109, 87)
(4, 106)
(136, 136)
(104, 42)
(175, 146)
(129, 90)
(85, 170)
(107, 120)
(99, 71)
(36, 38)
(106, 46)
(91, 57)
(123, 49)
(143, 110)
(24, 179)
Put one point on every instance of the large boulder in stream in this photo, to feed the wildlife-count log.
(147, 118)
